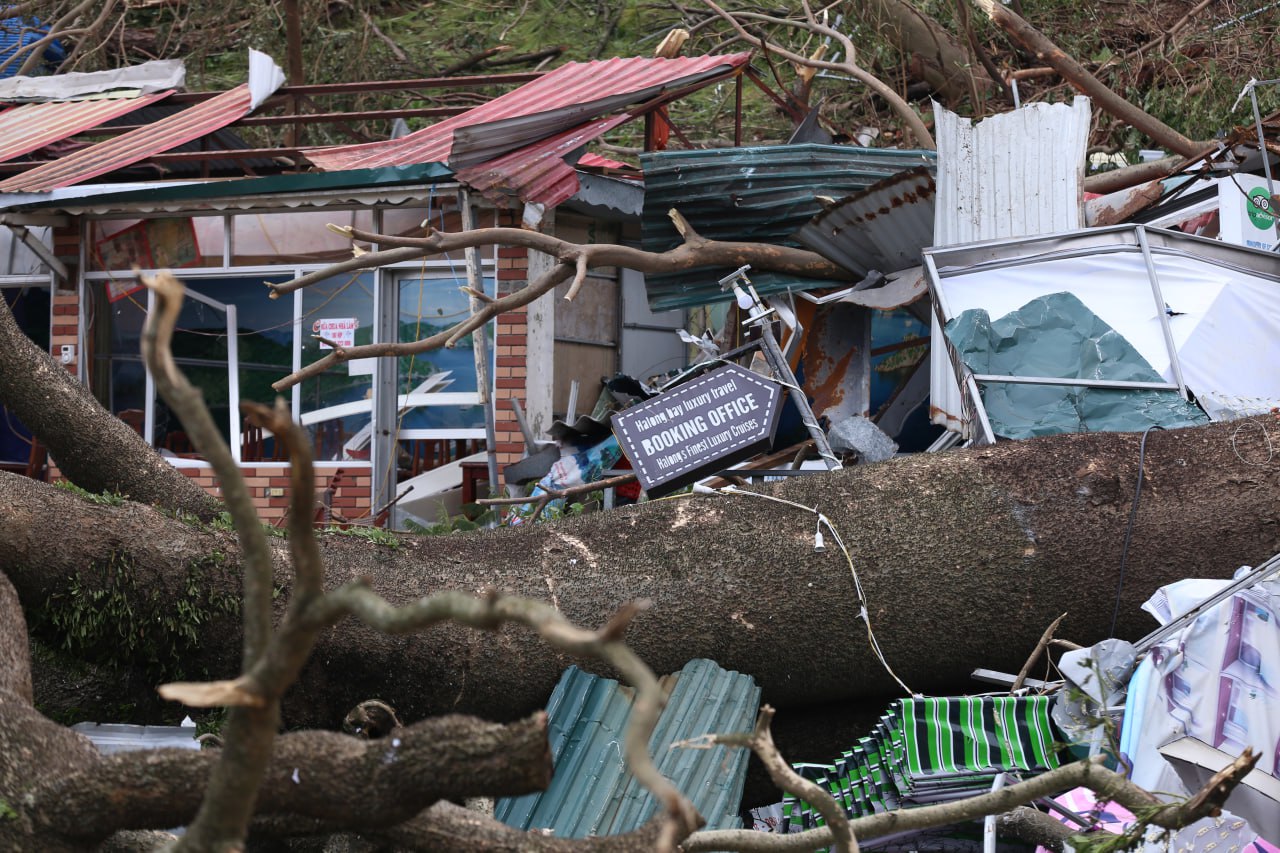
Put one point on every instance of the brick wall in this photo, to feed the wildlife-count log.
(269, 487)
(66, 298)
(511, 353)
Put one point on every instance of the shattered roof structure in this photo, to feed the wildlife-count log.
(164, 135)
(882, 228)
(29, 127)
(591, 793)
(765, 194)
(516, 143)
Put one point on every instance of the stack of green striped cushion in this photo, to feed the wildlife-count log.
(932, 750)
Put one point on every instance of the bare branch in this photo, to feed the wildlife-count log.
(1089, 774)
(1035, 654)
(904, 111)
(1049, 53)
(760, 741)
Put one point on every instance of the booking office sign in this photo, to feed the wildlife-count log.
(699, 428)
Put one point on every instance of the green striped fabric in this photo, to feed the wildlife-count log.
(930, 750)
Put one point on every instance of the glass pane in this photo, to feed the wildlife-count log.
(264, 339)
(429, 306)
(119, 379)
(332, 308)
(264, 335)
(274, 238)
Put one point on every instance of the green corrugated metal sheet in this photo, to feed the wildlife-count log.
(762, 194)
(591, 792)
(385, 176)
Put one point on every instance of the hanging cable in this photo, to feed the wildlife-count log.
(1128, 533)
(819, 545)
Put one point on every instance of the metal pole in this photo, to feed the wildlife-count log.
(777, 361)
(1161, 312)
(479, 343)
(1266, 159)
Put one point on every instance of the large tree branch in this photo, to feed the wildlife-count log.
(574, 260)
(61, 412)
(348, 783)
(1075, 73)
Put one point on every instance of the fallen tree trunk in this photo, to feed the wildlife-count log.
(964, 557)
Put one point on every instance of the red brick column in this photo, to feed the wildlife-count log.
(511, 354)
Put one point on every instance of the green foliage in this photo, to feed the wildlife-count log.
(7, 811)
(104, 499)
(211, 722)
(376, 535)
(104, 616)
(473, 517)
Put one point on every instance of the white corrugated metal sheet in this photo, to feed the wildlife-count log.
(1013, 175)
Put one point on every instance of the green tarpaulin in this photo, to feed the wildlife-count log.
(1058, 336)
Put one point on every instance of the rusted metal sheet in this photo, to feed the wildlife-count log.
(560, 100)
(883, 228)
(836, 361)
(28, 127)
(1120, 206)
(137, 145)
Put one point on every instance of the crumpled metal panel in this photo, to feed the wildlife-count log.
(1012, 175)
(761, 194)
(562, 99)
(591, 793)
(28, 127)
(882, 228)
(537, 173)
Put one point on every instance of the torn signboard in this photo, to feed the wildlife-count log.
(697, 428)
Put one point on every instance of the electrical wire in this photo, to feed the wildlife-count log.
(1128, 533)
(863, 614)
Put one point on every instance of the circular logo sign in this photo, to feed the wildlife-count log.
(1261, 210)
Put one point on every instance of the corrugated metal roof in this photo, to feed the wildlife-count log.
(562, 99)
(136, 145)
(537, 172)
(1012, 175)
(27, 127)
(591, 793)
(761, 194)
(389, 185)
(884, 227)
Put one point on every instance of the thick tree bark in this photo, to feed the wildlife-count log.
(96, 451)
(944, 62)
(965, 557)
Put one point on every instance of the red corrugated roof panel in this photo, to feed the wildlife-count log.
(26, 127)
(537, 172)
(136, 145)
(560, 100)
